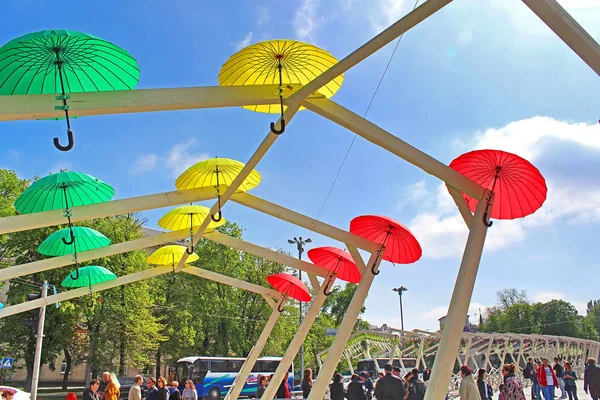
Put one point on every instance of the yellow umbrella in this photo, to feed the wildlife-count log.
(279, 61)
(171, 254)
(188, 217)
(218, 173)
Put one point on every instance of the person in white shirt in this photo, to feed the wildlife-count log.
(135, 392)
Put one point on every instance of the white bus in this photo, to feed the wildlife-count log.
(213, 376)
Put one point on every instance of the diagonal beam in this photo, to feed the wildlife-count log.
(142, 100)
(118, 248)
(295, 218)
(407, 22)
(568, 29)
(460, 202)
(239, 179)
(116, 207)
(265, 253)
(374, 134)
(227, 280)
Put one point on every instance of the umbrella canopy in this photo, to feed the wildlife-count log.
(63, 190)
(337, 261)
(1, 306)
(401, 247)
(519, 187)
(170, 255)
(86, 239)
(62, 61)
(187, 217)
(89, 276)
(258, 64)
(218, 173)
(290, 286)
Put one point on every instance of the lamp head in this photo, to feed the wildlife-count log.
(308, 240)
(291, 241)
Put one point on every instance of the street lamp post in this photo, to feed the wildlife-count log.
(399, 290)
(299, 242)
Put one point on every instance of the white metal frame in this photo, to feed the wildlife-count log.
(100, 103)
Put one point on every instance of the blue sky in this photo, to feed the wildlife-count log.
(479, 74)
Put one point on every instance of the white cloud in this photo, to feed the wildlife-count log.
(144, 163)
(306, 20)
(383, 13)
(465, 38)
(245, 42)
(180, 158)
(436, 313)
(442, 232)
(415, 194)
(262, 15)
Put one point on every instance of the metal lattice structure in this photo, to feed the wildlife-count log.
(477, 350)
(32, 107)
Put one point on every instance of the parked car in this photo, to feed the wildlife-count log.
(126, 384)
(19, 394)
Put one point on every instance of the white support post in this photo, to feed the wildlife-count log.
(356, 257)
(463, 208)
(345, 330)
(458, 309)
(374, 134)
(239, 179)
(296, 342)
(400, 27)
(39, 106)
(568, 29)
(108, 209)
(241, 378)
(89, 255)
(37, 358)
(303, 221)
(314, 282)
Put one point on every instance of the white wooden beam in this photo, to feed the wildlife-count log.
(358, 260)
(116, 207)
(262, 149)
(568, 29)
(374, 134)
(28, 107)
(460, 202)
(75, 293)
(407, 22)
(118, 248)
(295, 218)
(265, 253)
(227, 280)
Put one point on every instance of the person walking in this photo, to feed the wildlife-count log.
(262, 386)
(336, 389)
(162, 392)
(356, 389)
(536, 389)
(175, 393)
(283, 392)
(152, 391)
(103, 383)
(570, 376)
(558, 370)
(390, 387)
(307, 383)
(591, 379)
(484, 387)
(189, 393)
(369, 388)
(427, 374)
(416, 387)
(528, 373)
(547, 379)
(513, 389)
(135, 391)
(91, 393)
(468, 389)
(113, 389)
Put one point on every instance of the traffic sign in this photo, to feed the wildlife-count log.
(7, 363)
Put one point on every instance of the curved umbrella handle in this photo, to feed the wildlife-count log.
(485, 220)
(69, 146)
(281, 306)
(373, 269)
(218, 218)
(76, 274)
(278, 131)
(189, 250)
(325, 292)
(68, 242)
(91, 303)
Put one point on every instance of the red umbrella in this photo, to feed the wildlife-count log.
(338, 262)
(290, 286)
(519, 187)
(401, 247)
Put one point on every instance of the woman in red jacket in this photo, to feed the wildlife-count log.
(547, 379)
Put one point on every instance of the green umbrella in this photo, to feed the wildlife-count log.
(61, 191)
(89, 276)
(61, 62)
(87, 239)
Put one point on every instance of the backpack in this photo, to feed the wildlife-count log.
(418, 389)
